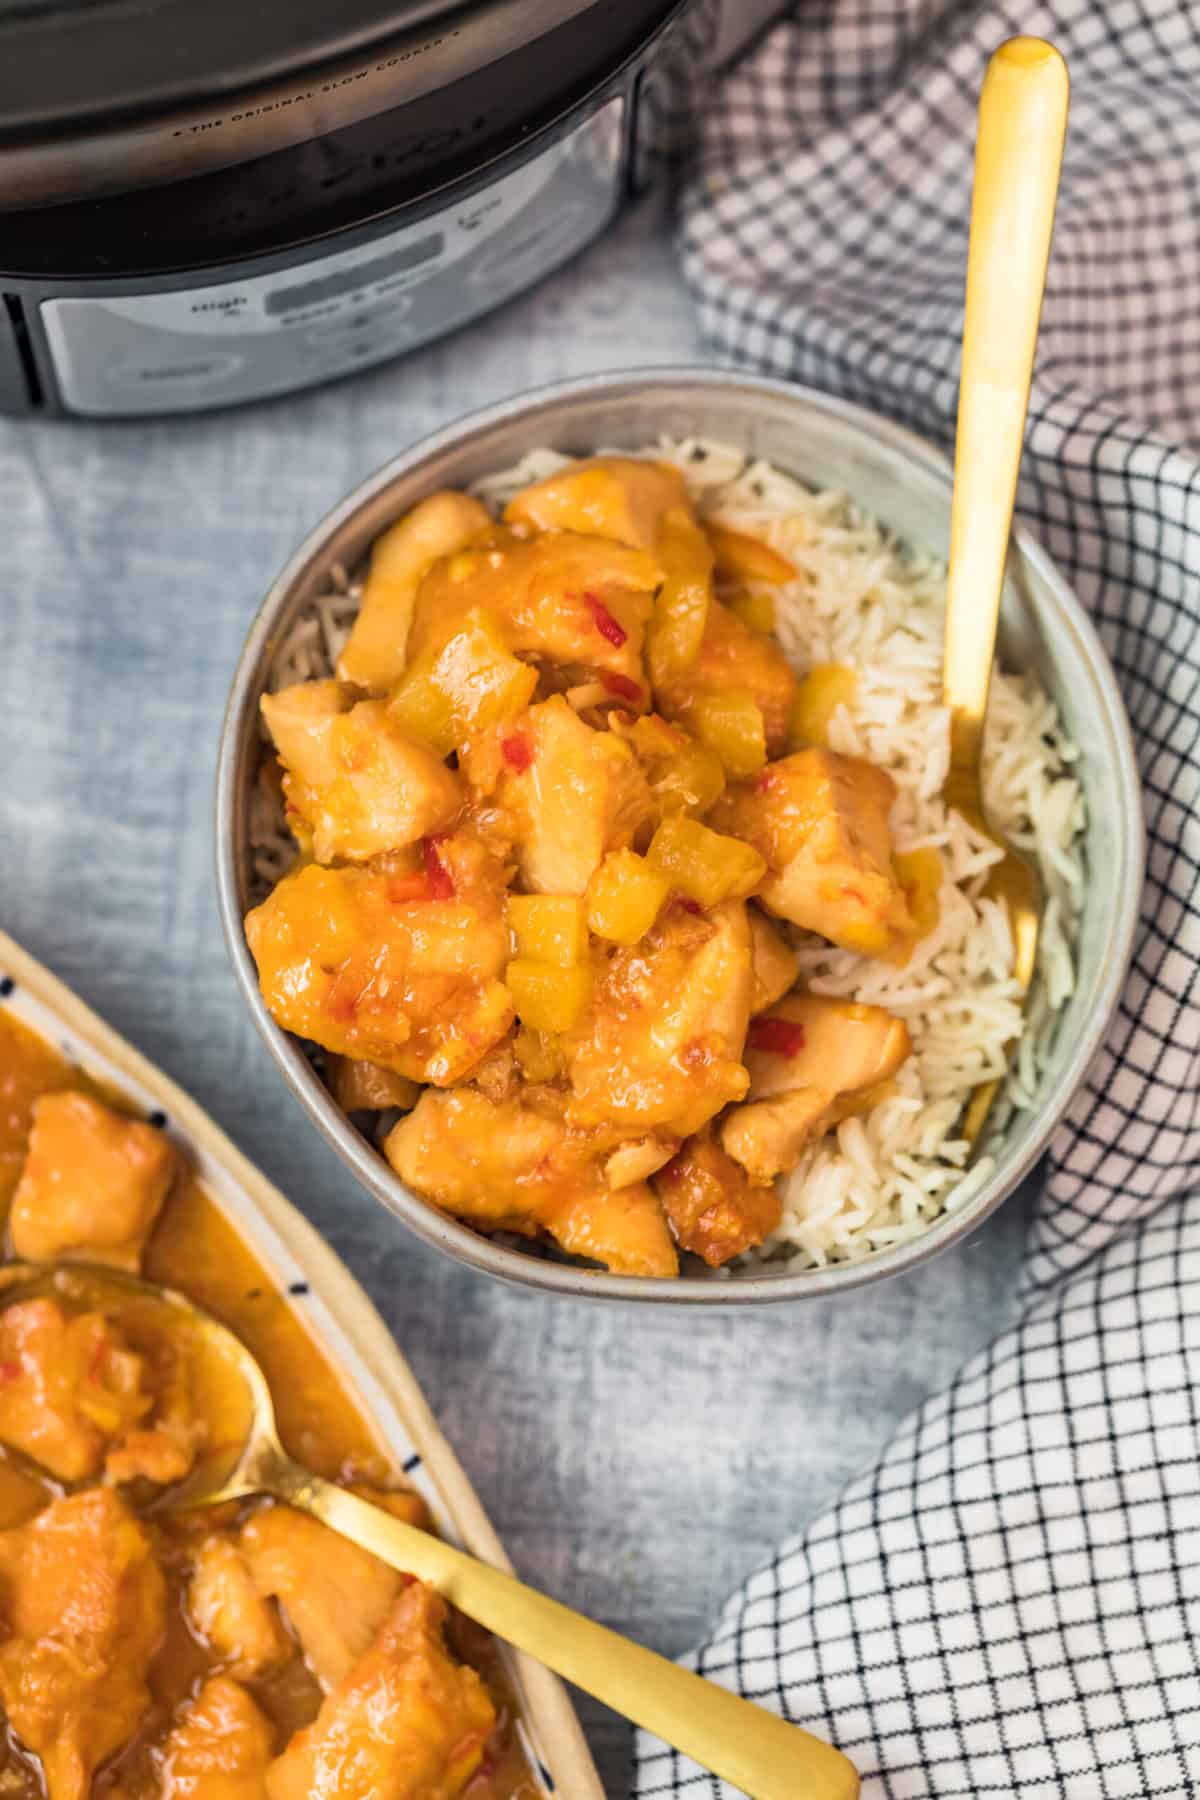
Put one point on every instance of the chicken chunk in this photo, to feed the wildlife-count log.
(638, 1159)
(573, 602)
(375, 654)
(733, 659)
(774, 964)
(92, 1185)
(219, 1747)
(355, 785)
(713, 1207)
(335, 1595)
(68, 1387)
(660, 1046)
(399, 965)
(621, 497)
(813, 1060)
(517, 1165)
(163, 1448)
(83, 1604)
(226, 1609)
(768, 1137)
(406, 1723)
(568, 795)
(821, 821)
(814, 1040)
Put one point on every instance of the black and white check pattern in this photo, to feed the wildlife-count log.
(1009, 1603)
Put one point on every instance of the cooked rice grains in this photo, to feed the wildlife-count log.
(862, 600)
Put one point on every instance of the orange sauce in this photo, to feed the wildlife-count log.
(195, 1249)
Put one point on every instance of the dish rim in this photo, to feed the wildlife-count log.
(334, 1311)
(762, 1286)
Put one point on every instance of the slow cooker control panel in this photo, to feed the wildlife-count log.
(267, 334)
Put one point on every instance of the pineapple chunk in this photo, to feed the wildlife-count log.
(731, 724)
(702, 864)
(539, 1054)
(472, 681)
(624, 897)
(755, 609)
(549, 928)
(684, 776)
(548, 998)
(441, 524)
(740, 557)
(821, 821)
(421, 707)
(823, 690)
(919, 873)
(684, 600)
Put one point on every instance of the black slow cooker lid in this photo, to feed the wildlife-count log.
(67, 64)
(293, 160)
(102, 97)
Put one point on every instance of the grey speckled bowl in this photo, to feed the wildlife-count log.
(907, 484)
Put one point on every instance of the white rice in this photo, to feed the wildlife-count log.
(862, 599)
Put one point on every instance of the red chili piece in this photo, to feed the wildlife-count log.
(517, 751)
(689, 906)
(9, 1371)
(605, 624)
(437, 875)
(620, 685)
(780, 1037)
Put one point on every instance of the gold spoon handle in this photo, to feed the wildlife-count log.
(756, 1750)
(1018, 155)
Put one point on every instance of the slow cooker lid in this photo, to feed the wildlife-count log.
(73, 65)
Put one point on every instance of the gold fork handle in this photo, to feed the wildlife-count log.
(1018, 155)
(756, 1750)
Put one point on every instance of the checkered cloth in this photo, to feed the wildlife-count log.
(1009, 1603)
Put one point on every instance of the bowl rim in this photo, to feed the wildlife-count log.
(514, 1267)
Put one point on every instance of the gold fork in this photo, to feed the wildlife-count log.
(1018, 158)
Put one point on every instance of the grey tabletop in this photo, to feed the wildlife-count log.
(637, 1463)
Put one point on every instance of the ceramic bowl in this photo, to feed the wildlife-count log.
(827, 443)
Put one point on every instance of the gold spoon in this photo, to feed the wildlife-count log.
(1018, 157)
(754, 1749)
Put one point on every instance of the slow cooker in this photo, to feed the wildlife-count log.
(201, 205)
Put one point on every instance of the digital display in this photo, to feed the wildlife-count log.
(347, 281)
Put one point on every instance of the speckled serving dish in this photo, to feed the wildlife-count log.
(905, 483)
(333, 1309)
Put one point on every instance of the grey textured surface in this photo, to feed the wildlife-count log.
(637, 1464)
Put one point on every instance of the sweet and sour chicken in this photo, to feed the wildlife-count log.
(238, 1653)
(564, 817)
